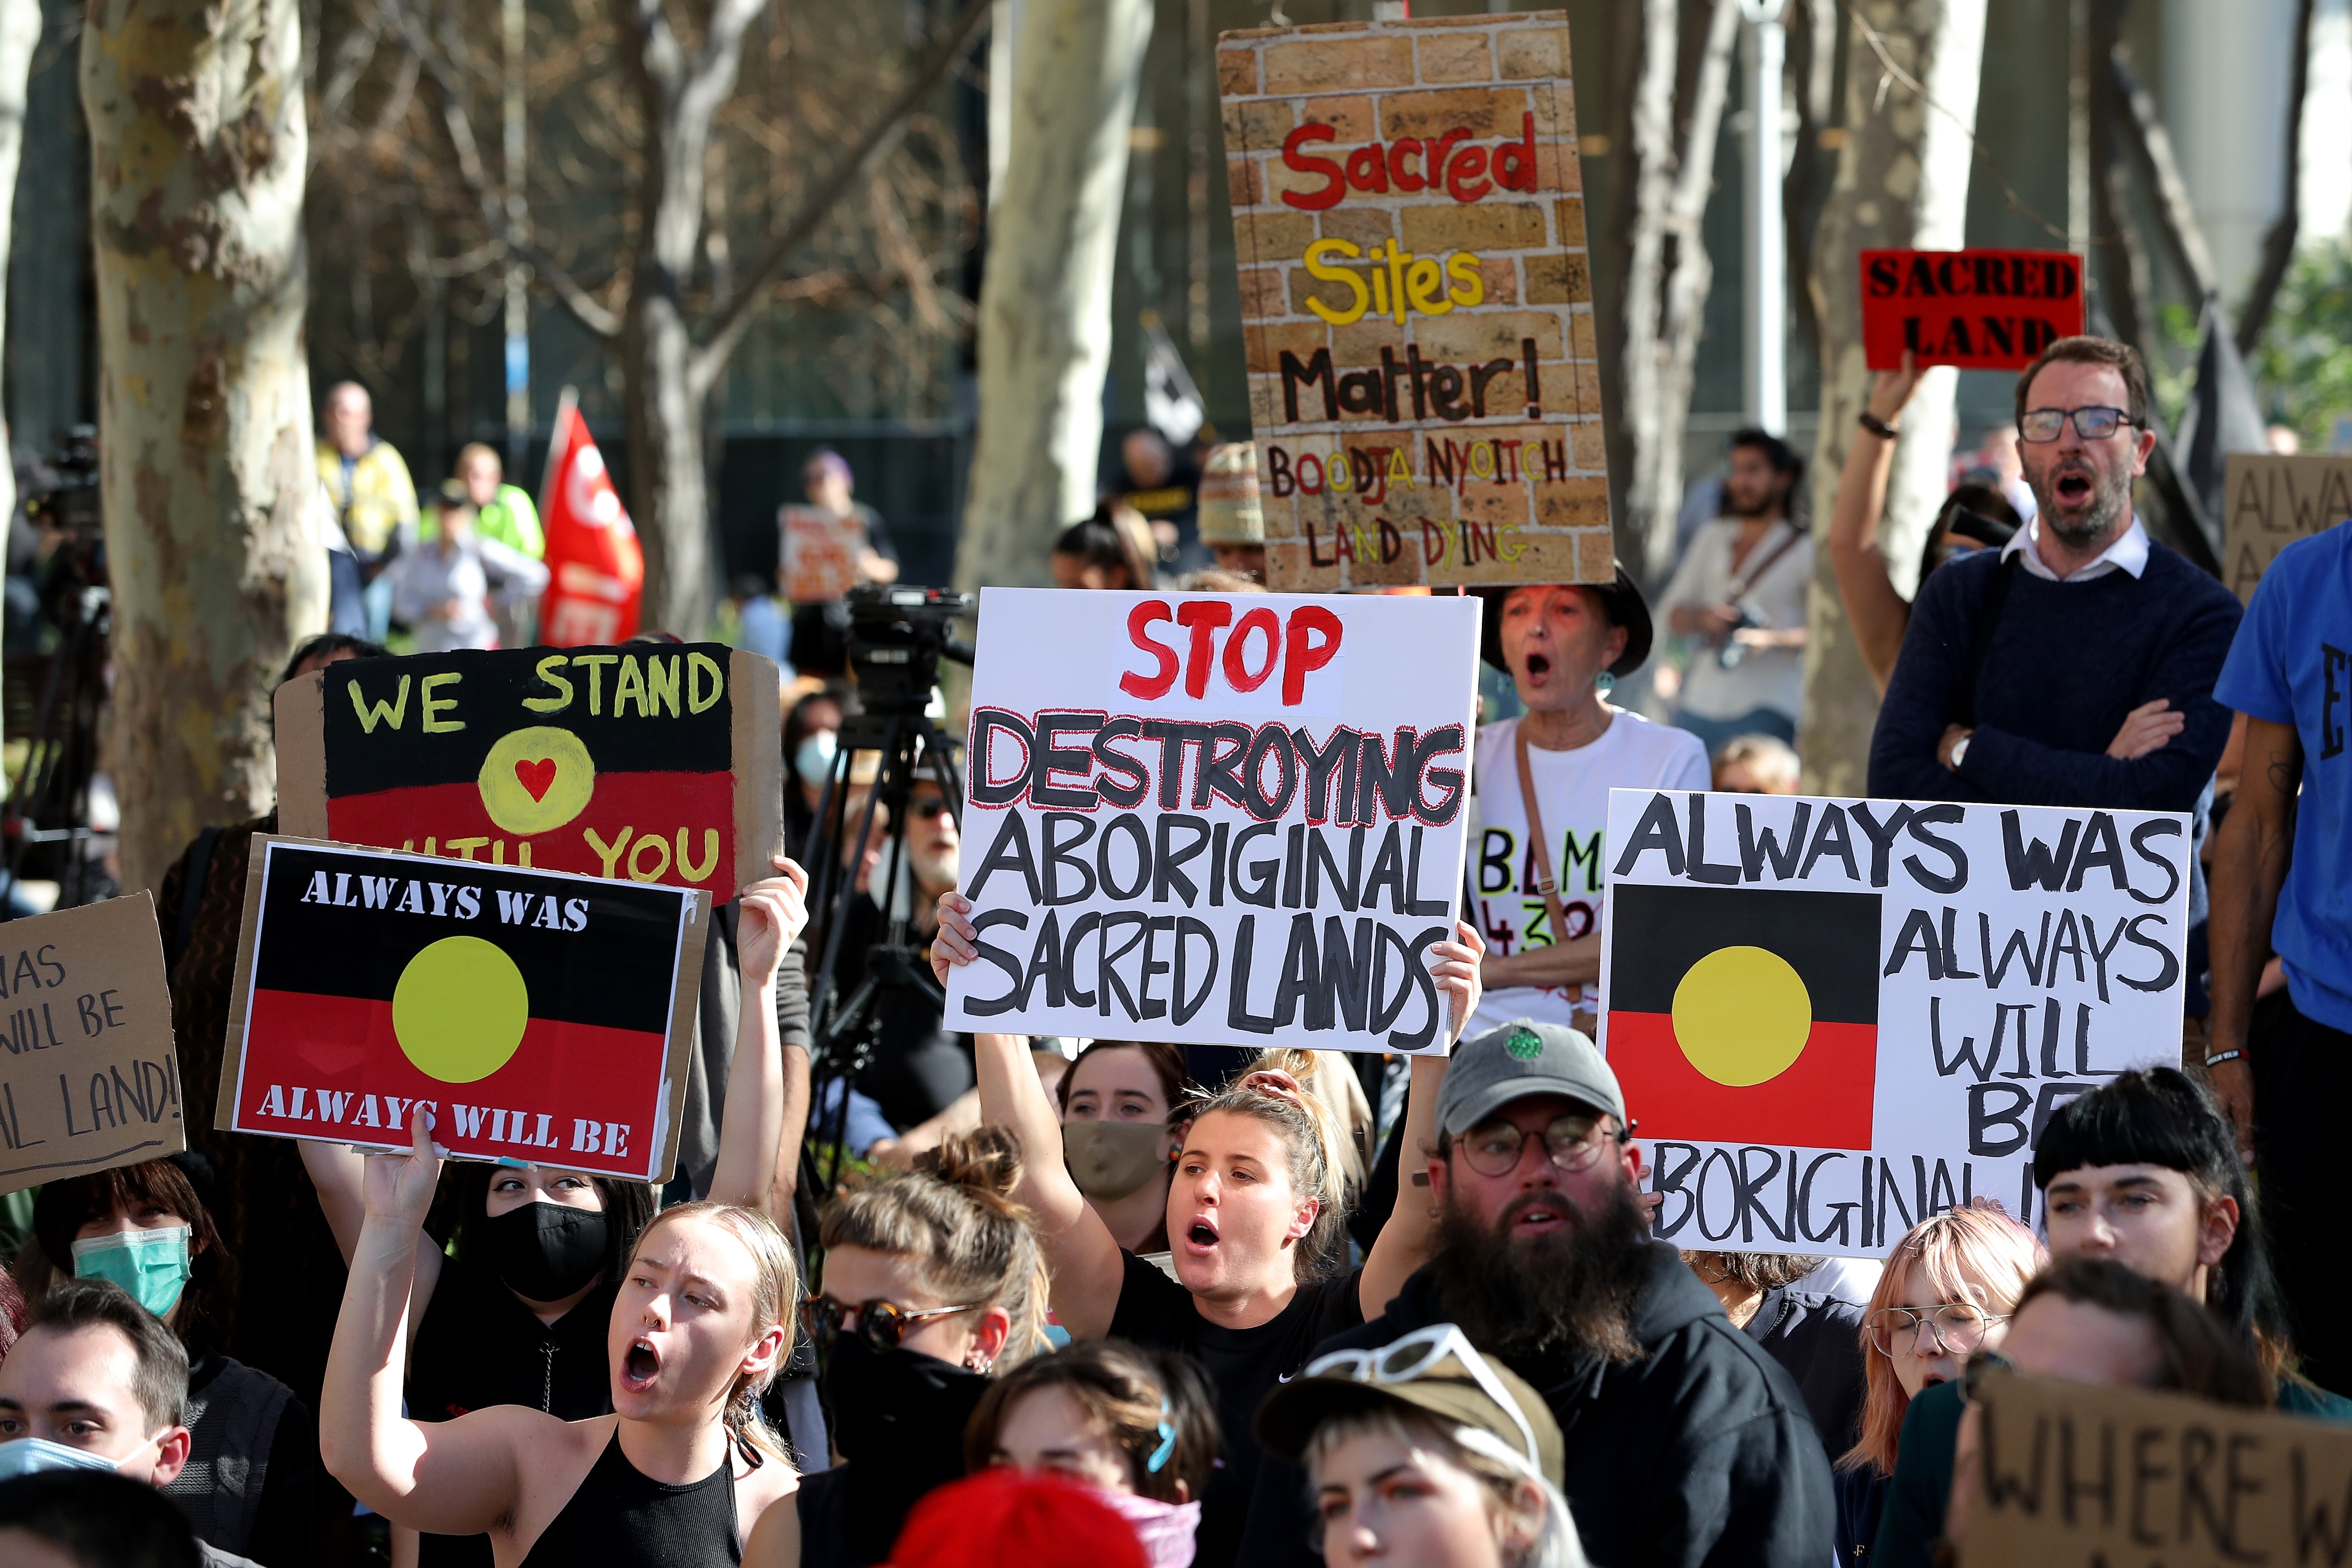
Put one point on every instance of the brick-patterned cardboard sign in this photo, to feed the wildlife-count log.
(1417, 302)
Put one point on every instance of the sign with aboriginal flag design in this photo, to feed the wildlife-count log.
(1832, 1018)
(535, 1016)
(648, 763)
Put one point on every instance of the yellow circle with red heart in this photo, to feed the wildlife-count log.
(537, 779)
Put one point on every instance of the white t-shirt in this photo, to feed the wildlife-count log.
(1572, 795)
(1771, 678)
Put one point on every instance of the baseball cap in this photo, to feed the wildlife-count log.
(1434, 1371)
(1520, 1058)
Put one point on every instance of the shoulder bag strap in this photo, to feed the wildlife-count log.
(1996, 594)
(1742, 583)
(1544, 883)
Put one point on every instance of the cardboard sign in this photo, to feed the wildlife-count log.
(89, 1080)
(652, 763)
(1979, 309)
(820, 554)
(2070, 1475)
(1216, 819)
(536, 1016)
(1833, 1019)
(2275, 501)
(1417, 302)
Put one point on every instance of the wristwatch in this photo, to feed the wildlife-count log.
(1960, 753)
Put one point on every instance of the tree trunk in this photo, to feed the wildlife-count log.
(198, 150)
(20, 34)
(666, 381)
(1045, 298)
(1902, 180)
(1666, 295)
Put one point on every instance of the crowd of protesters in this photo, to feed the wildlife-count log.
(1123, 1303)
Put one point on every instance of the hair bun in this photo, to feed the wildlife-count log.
(985, 1159)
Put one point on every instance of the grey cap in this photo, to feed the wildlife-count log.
(1520, 1058)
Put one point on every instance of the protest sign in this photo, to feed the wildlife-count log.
(2071, 1475)
(820, 554)
(536, 1016)
(657, 762)
(1216, 819)
(1417, 302)
(1979, 309)
(2276, 499)
(1835, 1018)
(89, 1080)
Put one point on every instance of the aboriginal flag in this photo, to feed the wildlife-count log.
(1745, 1016)
(524, 1009)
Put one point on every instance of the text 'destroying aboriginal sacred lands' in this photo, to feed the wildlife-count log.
(1835, 1018)
(1417, 302)
(533, 1016)
(1213, 819)
(648, 763)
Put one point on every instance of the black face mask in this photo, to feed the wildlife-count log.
(544, 1251)
(902, 1413)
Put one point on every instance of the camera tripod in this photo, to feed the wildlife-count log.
(897, 637)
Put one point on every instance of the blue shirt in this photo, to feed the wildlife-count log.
(2289, 665)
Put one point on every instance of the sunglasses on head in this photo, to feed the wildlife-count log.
(883, 1325)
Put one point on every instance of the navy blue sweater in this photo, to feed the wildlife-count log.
(2067, 662)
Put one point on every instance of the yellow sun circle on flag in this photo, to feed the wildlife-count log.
(536, 780)
(1742, 1015)
(459, 1009)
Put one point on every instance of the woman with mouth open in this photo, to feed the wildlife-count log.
(1257, 1222)
(686, 1473)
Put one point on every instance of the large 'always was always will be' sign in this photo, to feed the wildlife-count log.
(1216, 818)
(1833, 1017)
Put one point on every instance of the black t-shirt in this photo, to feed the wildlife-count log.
(479, 1346)
(1243, 1365)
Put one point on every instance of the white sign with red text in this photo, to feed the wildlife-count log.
(1216, 819)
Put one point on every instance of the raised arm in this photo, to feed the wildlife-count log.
(1079, 1250)
(752, 1124)
(1404, 1241)
(339, 1171)
(1872, 607)
(792, 1032)
(452, 1478)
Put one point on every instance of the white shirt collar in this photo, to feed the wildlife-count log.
(2129, 554)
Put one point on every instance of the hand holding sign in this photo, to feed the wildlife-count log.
(774, 912)
(399, 1187)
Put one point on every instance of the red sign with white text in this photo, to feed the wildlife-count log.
(1978, 310)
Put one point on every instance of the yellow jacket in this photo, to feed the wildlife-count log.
(374, 499)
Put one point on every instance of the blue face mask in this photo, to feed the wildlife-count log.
(152, 1265)
(814, 755)
(27, 1456)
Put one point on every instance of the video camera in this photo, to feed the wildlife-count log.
(897, 637)
(68, 504)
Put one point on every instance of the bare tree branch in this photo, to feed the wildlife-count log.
(591, 312)
(727, 328)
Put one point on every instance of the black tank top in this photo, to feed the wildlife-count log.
(621, 1516)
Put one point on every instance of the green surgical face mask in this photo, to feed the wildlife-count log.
(152, 1265)
(1108, 1159)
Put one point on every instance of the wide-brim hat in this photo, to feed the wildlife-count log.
(1621, 601)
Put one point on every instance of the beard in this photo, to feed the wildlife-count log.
(1763, 504)
(1568, 1292)
(2111, 500)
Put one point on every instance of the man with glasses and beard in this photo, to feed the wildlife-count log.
(2077, 667)
(1687, 1443)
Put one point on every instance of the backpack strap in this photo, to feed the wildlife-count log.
(1996, 595)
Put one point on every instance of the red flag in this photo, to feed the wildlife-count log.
(597, 569)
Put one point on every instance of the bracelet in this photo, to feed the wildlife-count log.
(1876, 426)
(2218, 1058)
